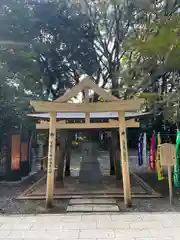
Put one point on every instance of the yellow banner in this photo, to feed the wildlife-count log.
(158, 162)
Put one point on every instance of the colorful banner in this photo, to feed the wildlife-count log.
(152, 155)
(176, 167)
(24, 151)
(158, 162)
(15, 152)
(140, 150)
(145, 161)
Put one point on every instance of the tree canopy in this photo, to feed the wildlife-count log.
(58, 44)
(129, 47)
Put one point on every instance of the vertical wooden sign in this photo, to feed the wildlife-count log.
(51, 160)
(124, 160)
(168, 159)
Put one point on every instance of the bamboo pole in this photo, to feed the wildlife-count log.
(51, 160)
(124, 160)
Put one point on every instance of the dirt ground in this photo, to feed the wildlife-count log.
(9, 192)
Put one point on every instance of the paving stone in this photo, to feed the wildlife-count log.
(126, 217)
(4, 234)
(44, 226)
(79, 225)
(11, 219)
(129, 238)
(86, 239)
(97, 234)
(151, 238)
(176, 238)
(42, 219)
(155, 217)
(145, 225)
(96, 217)
(27, 234)
(16, 226)
(63, 234)
(32, 239)
(112, 225)
(165, 232)
(73, 217)
(92, 227)
(170, 223)
(173, 215)
(131, 233)
(14, 239)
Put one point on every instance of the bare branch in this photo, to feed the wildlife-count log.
(98, 48)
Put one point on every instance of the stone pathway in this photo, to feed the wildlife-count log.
(140, 226)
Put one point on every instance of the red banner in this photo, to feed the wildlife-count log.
(15, 152)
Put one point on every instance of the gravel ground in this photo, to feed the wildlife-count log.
(10, 205)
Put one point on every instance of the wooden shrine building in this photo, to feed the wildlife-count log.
(111, 105)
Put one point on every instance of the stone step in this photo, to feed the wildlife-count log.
(92, 201)
(92, 208)
(92, 205)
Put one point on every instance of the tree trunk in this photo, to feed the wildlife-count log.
(115, 149)
(60, 170)
(68, 154)
(111, 156)
(118, 165)
(115, 144)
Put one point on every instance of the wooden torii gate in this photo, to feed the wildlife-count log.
(112, 104)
